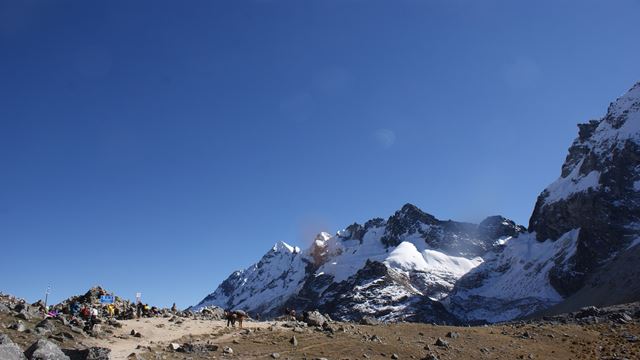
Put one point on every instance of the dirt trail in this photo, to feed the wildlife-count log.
(161, 332)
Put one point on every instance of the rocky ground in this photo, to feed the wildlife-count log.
(591, 333)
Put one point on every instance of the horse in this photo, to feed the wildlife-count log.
(235, 315)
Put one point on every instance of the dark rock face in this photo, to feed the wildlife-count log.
(456, 238)
(495, 227)
(387, 292)
(408, 220)
(606, 156)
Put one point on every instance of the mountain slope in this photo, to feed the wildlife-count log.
(582, 230)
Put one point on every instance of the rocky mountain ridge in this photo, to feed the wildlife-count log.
(400, 266)
(413, 266)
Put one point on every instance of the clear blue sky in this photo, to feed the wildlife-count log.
(157, 146)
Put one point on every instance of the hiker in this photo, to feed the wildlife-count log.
(85, 313)
(75, 308)
(111, 310)
(290, 314)
(93, 319)
(139, 310)
(174, 308)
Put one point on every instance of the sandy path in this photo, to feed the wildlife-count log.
(160, 331)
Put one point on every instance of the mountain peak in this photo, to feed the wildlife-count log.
(624, 108)
(414, 213)
(282, 246)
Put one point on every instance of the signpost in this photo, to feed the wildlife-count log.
(138, 298)
(107, 299)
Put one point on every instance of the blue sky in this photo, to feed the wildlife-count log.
(157, 146)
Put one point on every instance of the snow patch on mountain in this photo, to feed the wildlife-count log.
(564, 187)
(406, 257)
(634, 243)
(519, 274)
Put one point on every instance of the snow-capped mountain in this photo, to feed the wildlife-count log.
(581, 248)
(397, 267)
(584, 226)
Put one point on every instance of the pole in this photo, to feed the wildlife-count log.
(46, 298)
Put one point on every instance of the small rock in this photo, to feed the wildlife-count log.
(275, 355)
(631, 338)
(19, 326)
(227, 350)
(453, 335)
(395, 356)
(23, 315)
(58, 338)
(294, 341)
(441, 342)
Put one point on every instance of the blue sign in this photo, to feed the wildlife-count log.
(107, 299)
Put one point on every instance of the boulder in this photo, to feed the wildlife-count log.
(97, 353)
(453, 335)
(369, 320)
(47, 324)
(45, 350)
(18, 326)
(24, 315)
(314, 318)
(9, 350)
(621, 318)
(441, 342)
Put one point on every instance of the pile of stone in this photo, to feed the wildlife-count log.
(125, 309)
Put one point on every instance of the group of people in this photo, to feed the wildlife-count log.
(89, 314)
